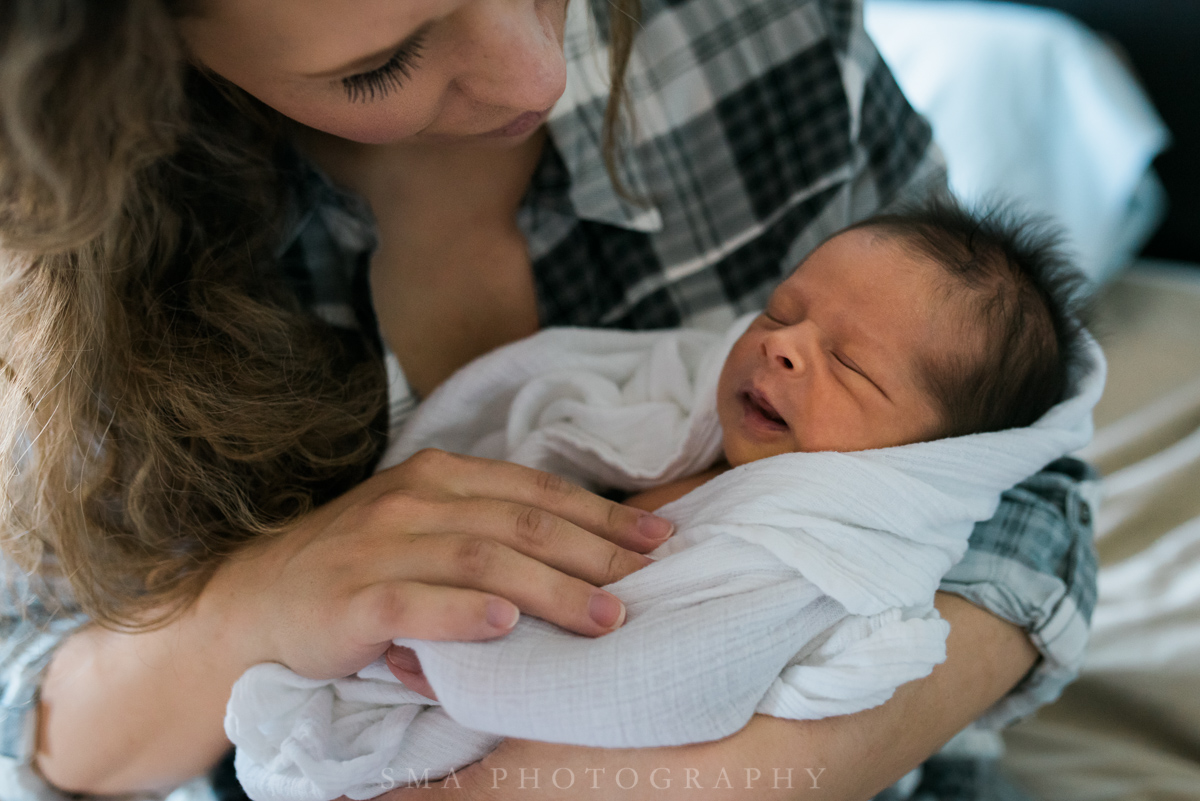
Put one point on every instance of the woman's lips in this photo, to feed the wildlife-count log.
(521, 125)
(759, 413)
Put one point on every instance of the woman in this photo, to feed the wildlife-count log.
(194, 377)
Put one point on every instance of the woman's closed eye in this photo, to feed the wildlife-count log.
(378, 83)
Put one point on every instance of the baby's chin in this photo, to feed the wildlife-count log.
(738, 453)
(732, 461)
(732, 451)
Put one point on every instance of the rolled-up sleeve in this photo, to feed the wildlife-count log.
(28, 639)
(1034, 564)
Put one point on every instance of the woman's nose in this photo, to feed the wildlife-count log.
(784, 348)
(515, 58)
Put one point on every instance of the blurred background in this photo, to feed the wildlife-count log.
(1159, 38)
(1089, 111)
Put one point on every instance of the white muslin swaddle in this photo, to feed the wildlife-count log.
(799, 586)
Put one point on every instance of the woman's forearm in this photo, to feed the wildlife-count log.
(845, 758)
(134, 712)
(863, 753)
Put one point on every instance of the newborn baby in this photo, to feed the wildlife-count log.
(800, 585)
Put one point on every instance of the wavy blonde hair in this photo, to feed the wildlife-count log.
(163, 401)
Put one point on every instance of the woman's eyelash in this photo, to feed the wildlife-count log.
(378, 83)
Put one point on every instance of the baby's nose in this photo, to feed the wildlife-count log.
(783, 349)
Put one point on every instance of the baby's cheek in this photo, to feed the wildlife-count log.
(731, 444)
(738, 369)
(726, 395)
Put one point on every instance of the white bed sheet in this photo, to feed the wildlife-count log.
(1028, 104)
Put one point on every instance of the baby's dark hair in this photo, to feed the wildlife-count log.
(1029, 298)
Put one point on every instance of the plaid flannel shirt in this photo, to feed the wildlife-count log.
(761, 128)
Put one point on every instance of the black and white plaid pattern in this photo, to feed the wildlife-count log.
(762, 127)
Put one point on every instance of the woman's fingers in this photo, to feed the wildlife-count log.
(467, 476)
(388, 610)
(440, 547)
(537, 533)
(492, 566)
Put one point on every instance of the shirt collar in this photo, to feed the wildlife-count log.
(311, 194)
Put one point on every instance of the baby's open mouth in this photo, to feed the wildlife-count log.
(757, 404)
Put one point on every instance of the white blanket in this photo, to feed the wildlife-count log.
(799, 586)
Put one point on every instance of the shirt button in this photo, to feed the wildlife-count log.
(1085, 513)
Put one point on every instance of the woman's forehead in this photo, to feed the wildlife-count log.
(306, 37)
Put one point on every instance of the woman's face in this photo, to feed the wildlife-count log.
(379, 71)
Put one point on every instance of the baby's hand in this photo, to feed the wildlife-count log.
(406, 667)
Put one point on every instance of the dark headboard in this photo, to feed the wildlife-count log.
(1162, 39)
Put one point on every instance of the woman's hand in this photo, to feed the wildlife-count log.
(440, 547)
(845, 758)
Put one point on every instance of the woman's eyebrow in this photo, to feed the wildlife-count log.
(372, 60)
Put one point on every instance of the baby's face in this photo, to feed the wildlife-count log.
(835, 361)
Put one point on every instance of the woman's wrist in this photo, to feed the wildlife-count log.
(230, 609)
(236, 609)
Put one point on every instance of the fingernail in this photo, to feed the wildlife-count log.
(606, 610)
(655, 528)
(501, 614)
(405, 659)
